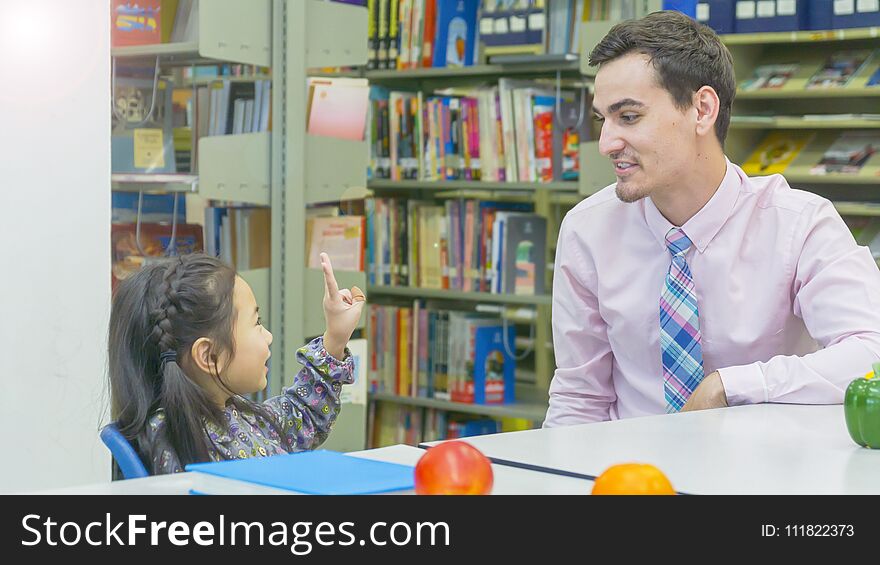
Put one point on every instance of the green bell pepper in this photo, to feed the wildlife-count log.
(862, 409)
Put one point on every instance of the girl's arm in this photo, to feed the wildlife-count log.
(307, 409)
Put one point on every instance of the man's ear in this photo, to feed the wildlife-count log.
(203, 357)
(707, 104)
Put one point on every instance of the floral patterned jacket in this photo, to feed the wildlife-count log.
(305, 413)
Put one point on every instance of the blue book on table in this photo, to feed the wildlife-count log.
(314, 472)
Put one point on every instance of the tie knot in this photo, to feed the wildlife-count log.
(677, 242)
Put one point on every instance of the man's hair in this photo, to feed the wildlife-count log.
(686, 56)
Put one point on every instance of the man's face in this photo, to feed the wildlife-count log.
(651, 143)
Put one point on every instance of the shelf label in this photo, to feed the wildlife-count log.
(745, 10)
(844, 7)
(703, 12)
(786, 7)
(766, 8)
(863, 6)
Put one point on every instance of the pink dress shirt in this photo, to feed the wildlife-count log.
(789, 304)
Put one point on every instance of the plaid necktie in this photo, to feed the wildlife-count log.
(680, 347)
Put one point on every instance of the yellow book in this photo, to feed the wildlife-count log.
(776, 152)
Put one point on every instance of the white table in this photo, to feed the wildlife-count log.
(757, 449)
(507, 480)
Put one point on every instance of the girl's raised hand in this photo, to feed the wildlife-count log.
(342, 310)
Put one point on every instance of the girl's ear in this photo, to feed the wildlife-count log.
(204, 358)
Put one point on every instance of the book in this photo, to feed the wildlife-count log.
(524, 252)
(313, 472)
(839, 68)
(129, 254)
(342, 238)
(777, 150)
(769, 76)
(874, 79)
(135, 23)
(848, 153)
(142, 136)
(456, 33)
(338, 108)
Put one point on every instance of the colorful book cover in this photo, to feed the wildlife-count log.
(136, 23)
(342, 238)
(492, 366)
(456, 33)
(848, 153)
(524, 259)
(338, 108)
(769, 76)
(839, 69)
(776, 152)
(542, 115)
(129, 253)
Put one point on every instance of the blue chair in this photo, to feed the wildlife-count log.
(124, 455)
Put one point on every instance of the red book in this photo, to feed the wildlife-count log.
(428, 38)
(135, 23)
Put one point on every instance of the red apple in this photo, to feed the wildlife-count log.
(453, 467)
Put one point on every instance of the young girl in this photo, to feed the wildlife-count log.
(186, 345)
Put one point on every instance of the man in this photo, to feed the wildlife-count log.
(688, 285)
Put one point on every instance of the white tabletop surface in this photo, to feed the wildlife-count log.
(507, 480)
(756, 449)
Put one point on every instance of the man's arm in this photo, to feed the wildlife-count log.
(582, 390)
(837, 294)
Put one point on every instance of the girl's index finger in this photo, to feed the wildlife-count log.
(329, 278)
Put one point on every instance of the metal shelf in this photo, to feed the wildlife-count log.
(801, 36)
(415, 292)
(228, 31)
(823, 93)
(383, 184)
(799, 123)
(567, 69)
(857, 208)
(160, 182)
(535, 412)
(800, 177)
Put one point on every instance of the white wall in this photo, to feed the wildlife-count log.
(54, 240)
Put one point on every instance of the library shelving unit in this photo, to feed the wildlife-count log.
(233, 167)
(283, 168)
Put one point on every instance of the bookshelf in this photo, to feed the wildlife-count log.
(283, 169)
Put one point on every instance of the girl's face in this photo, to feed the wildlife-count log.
(246, 372)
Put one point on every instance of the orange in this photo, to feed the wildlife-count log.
(632, 478)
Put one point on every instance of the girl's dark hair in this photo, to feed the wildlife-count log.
(686, 56)
(157, 315)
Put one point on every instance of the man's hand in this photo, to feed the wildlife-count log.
(709, 394)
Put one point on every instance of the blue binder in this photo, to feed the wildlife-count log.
(314, 472)
(819, 14)
(717, 14)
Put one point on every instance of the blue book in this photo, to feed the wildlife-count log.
(456, 39)
(494, 368)
(314, 472)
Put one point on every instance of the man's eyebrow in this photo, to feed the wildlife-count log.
(620, 104)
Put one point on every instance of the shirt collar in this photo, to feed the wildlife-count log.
(707, 222)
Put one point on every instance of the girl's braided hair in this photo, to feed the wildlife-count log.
(157, 315)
